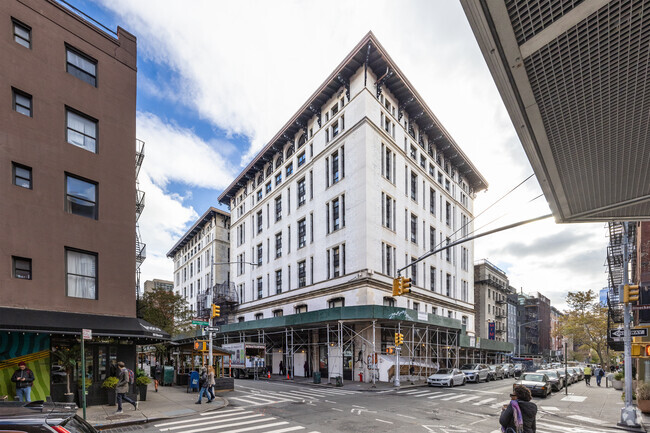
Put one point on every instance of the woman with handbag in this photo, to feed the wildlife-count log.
(519, 416)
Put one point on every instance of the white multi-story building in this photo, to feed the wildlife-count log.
(359, 183)
(491, 301)
(201, 257)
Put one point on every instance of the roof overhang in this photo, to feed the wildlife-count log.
(368, 50)
(197, 227)
(574, 78)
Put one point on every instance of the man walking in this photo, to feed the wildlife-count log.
(588, 375)
(599, 372)
(123, 387)
(24, 378)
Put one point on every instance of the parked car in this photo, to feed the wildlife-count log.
(508, 369)
(447, 377)
(496, 372)
(518, 370)
(554, 377)
(42, 417)
(537, 383)
(573, 374)
(580, 372)
(476, 372)
(565, 380)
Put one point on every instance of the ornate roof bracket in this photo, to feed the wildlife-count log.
(286, 137)
(365, 67)
(419, 115)
(383, 78)
(317, 112)
(345, 83)
(400, 110)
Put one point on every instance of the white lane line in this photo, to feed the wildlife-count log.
(487, 400)
(554, 426)
(360, 407)
(255, 427)
(308, 394)
(418, 394)
(577, 398)
(408, 391)
(465, 400)
(220, 415)
(282, 430)
(381, 420)
(253, 402)
(586, 419)
(474, 390)
(438, 396)
(221, 426)
(284, 394)
(551, 408)
(405, 416)
(384, 392)
(337, 409)
(327, 401)
(498, 405)
(454, 397)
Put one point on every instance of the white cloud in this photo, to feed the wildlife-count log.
(247, 66)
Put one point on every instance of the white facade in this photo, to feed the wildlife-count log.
(490, 295)
(358, 197)
(201, 257)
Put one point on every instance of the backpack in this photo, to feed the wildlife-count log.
(131, 376)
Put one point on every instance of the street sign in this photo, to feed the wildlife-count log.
(199, 322)
(212, 329)
(87, 334)
(640, 332)
(640, 307)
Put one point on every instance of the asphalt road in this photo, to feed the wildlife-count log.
(278, 407)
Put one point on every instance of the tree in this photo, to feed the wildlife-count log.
(166, 310)
(68, 358)
(586, 322)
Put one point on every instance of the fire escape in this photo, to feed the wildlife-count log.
(223, 295)
(140, 247)
(615, 276)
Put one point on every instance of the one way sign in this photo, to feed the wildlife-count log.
(620, 333)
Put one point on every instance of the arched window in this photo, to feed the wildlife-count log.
(269, 169)
(389, 302)
(336, 302)
(302, 140)
(260, 179)
(278, 162)
(290, 150)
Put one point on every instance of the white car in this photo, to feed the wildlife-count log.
(447, 377)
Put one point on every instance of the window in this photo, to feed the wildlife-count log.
(450, 314)
(81, 197)
(433, 278)
(432, 171)
(278, 245)
(335, 167)
(389, 260)
(259, 288)
(447, 184)
(22, 268)
(464, 258)
(260, 220)
(388, 164)
(278, 281)
(432, 238)
(448, 250)
(302, 274)
(336, 302)
(301, 159)
(389, 302)
(82, 131)
(414, 272)
(278, 208)
(81, 66)
(259, 195)
(289, 169)
(388, 214)
(448, 213)
(259, 255)
(259, 316)
(414, 153)
(278, 179)
(448, 285)
(290, 150)
(336, 220)
(22, 34)
(464, 320)
(336, 259)
(432, 201)
(416, 306)
(414, 229)
(81, 271)
(302, 233)
(268, 187)
(278, 313)
(301, 192)
(440, 178)
(301, 309)
(423, 162)
(335, 128)
(240, 319)
(22, 102)
(22, 175)
(414, 186)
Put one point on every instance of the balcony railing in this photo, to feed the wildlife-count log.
(139, 203)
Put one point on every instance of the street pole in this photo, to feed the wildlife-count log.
(374, 355)
(628, 412)
(397, 350)
(566, 385)
(210, 328)
(83, 376)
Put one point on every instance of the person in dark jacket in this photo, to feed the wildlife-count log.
(24, 379)
(204, 384)
(521, 397)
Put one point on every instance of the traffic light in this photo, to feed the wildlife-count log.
(399, 339)
(630, 293)
(396, 339)
(647, 350)
(397, 282)
(404, 287)
(636, 350)
(216, 311)
(200, 345)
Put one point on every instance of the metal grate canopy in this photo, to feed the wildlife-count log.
(575, 78)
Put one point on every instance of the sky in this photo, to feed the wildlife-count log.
(216, 80)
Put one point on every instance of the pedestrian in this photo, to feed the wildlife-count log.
(211, 382)
(519, 415)
(24, 379)
(156, 375)
(600, 372)
(281, 368)
(307, 369)
(123, 387)
(203, 385)
(588, 375)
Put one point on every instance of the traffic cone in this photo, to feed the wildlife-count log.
(268, 375)
(288, 378)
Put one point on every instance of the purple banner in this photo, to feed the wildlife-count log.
(491, 330)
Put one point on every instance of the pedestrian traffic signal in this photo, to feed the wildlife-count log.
(216, 311)
(200, 345)
(630, 293)
(647, 350)
(636, 350)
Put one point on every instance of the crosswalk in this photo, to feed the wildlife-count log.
(236, 420)
(455, 397)
(586, 425)
(302, 395)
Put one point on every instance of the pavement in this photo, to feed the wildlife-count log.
(405, 383)
(168, 402)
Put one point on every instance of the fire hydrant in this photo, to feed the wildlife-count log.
(360, 377)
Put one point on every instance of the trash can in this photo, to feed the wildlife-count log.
(339, 381)
(168, 375)
(316, 376)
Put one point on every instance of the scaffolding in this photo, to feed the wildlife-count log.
(615, 271)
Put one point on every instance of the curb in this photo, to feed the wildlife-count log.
(99, 427)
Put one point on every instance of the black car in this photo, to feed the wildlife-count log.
(537, 383)
(42, 417)
(554, 378)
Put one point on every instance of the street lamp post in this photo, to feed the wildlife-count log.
(519, 335)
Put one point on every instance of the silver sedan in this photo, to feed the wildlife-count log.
(447, 377)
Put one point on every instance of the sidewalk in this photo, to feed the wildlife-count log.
(168, 402)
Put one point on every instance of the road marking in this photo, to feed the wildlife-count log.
(405, 416)
(236, 424)
(220, 415)
(555, 426)
(384, 392)
(578, 398)
(475, 390)
(381, 420)
(454, 397)
(362, 407)
(327, 401)
(465, 400)
(418, 393)
(438, 396)
(238, 409)
(283, 430)
(256, 403)
(487, 400)
(337, 409)
(498, 405)
(586, 419)
(256, 427)
(549, 408)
